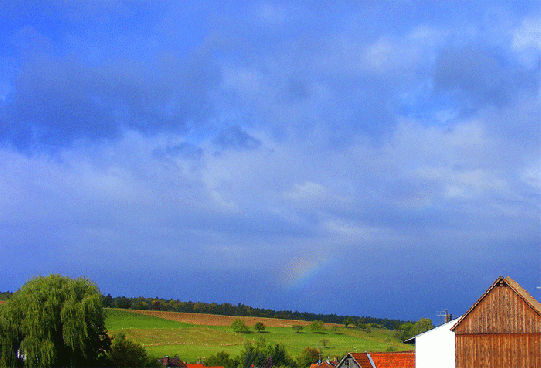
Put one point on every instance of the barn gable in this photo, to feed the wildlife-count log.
(504, 308)
(501, 330)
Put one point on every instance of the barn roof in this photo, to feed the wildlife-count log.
(519, 290)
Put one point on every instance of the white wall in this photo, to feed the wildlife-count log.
(436, 348)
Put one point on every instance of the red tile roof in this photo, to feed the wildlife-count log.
(322, 365)
(402, 359)
(362, 359)
(199, 365)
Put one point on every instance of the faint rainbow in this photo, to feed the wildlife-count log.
(300, 272)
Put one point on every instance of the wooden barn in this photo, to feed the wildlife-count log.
(501, 330)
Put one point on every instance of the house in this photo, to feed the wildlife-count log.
(174, 362)
(502, 329)
(400, 359)
(436, 347)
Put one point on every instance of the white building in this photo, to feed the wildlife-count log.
(435, 348)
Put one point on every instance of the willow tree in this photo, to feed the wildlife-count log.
(53, 321)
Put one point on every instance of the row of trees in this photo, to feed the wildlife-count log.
(239, 326)
(173, 305)
(56, 321)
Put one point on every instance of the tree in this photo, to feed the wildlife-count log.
(348, 321)
(54, 321)
(126, 353)
(297, 328)
(317, 326)
(423, 325)
(308, 356)
(259, 326)
(239, 326)
(409, 329)
(324, 342)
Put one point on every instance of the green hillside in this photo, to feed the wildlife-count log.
(194, 341)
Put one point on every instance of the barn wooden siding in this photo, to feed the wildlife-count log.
(502, 330)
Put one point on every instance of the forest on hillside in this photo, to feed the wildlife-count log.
(227, 309)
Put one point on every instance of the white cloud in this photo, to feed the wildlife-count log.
(528, 34)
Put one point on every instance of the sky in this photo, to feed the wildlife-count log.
(366, 158)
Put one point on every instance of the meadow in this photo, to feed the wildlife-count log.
(194, 336)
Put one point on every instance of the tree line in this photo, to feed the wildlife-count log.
(227, 309)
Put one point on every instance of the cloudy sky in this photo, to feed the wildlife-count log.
(375, 158)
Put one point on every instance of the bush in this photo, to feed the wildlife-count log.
(222, 359)
(125, 353)
(262, 355)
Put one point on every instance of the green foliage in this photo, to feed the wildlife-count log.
(307, 357)
(125, 354)
(409, 329)
(259, 327)
(297, 328)
(54, 321)
(239, 327)
(266, 356)
(222, 359)
(317, 326)
(348, 321)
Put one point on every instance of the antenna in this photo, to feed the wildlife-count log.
(446, 315)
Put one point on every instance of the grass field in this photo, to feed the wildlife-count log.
(193, 336)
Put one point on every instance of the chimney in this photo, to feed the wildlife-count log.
(448, 317)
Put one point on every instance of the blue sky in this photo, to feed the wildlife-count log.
(365, 158)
